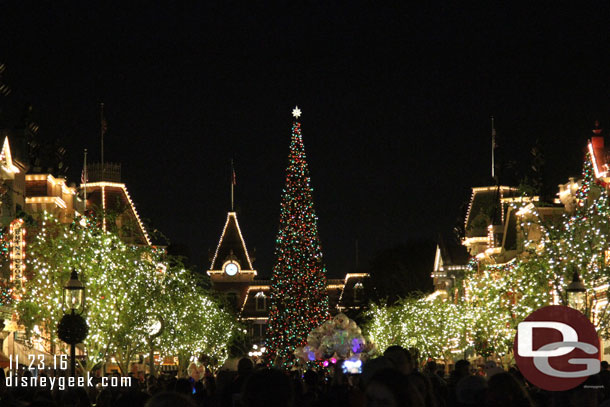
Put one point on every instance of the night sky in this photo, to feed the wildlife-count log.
(396, 103)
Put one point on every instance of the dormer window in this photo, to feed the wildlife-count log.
(261, 301)
(358, 288)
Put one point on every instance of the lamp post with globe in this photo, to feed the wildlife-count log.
(72, 327)
(577, 293)
(154, 328)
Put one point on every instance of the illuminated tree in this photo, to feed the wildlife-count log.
(436, 328)
(194, 323)
(494, 298)
(299, 302)
(580, 241)
(497, 298)
(127, 285)
(501, 296)
(98, 256)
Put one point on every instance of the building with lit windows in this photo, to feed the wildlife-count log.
(24, 193)
(233, 276)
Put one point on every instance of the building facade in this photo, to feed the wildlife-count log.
(233, 276)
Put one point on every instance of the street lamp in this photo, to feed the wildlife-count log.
(74, 294)
(577, 293)
(154, 328)
(72, 327)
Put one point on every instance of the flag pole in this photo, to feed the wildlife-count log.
(232, 184)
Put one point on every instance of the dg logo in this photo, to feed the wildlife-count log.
(557, 348)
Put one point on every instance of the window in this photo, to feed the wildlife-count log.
(261, 301)
(358, 292)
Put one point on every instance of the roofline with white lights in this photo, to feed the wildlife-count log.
(102, 185)
(241, 238)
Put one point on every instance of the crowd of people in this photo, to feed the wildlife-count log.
(394, 379)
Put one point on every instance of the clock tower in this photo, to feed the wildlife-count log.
(231, 269)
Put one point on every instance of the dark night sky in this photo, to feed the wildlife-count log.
(396, 104)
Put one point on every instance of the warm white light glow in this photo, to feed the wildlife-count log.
(296, 112)
(592, 153)
(17, 255)
(6, 158)
(103, 185)
(241, 238)
(55, 200)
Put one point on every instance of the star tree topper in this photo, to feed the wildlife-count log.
(296, 112)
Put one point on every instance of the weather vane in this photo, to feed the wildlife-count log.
(296, 112)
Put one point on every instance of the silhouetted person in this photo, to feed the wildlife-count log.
(400, 358)
(170, 399)
(183, 386)
(461, 370)
(505, 390)
(390, 388)
(471, 391)
(424, 386)
(310, 395)
(245, 366)
(267, 387)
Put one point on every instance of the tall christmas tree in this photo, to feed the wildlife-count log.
(299, 302)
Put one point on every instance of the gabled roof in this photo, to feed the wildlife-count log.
(486, 208)
(6, 158)
(114, 196)
(452, 254)
(231, 243)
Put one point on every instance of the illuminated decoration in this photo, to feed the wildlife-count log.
(296, 112)
(338, 337)
(103, 185)
(491, 299)
(17, 256)
(6, 286)
(438, 329)
(55, 200)
(53, 181)
(501, 295)
(598, 174)
(6, 159)
(245, 269)
(118, 314)
(501, 189)
(259, 288)
(299, 302)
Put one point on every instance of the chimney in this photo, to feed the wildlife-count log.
(597, 141)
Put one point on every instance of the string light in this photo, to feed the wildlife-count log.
(491, 299)
(126, 286)
(299, 302)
